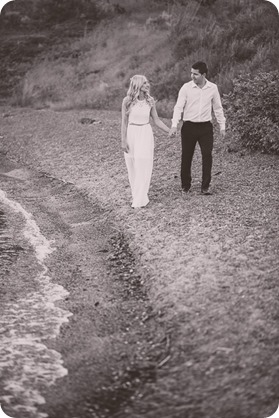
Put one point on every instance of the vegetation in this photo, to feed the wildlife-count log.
(232, 37)
(96, 46)
(252, 111)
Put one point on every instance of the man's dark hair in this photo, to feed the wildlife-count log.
(201, 66)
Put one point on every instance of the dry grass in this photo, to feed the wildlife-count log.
(209, 264)
(94, 71)
(158, 39)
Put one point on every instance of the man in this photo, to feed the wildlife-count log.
(195, 101)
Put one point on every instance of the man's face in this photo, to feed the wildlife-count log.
(197, 77)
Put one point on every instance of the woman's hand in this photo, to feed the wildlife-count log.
(124, 146)
(172, 132)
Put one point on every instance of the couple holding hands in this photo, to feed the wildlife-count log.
(195, 102)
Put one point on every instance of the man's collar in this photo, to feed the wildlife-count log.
(207, 85)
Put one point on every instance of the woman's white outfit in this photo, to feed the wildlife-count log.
(139, 160)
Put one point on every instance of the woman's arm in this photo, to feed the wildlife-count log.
(157, 120)
(124, 125)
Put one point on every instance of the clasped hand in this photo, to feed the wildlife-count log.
(125, 147)
(172, 132)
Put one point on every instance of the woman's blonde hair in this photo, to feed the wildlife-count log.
(133, 92)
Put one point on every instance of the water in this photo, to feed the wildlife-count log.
(8, 251)
(27, 365)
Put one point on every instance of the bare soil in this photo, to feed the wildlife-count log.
(175, 306)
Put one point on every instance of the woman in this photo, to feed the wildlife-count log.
(137, 137)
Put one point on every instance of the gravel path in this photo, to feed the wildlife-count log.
(209, 264)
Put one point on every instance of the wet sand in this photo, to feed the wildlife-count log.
(87, 339)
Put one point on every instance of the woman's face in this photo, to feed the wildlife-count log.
(145, 87)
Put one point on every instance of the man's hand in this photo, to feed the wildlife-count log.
(124, 146)
(223, 133)
(172, 132)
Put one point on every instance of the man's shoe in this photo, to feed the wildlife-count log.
(185, 191)
(206, 191)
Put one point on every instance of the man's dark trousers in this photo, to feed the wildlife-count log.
(191, 133)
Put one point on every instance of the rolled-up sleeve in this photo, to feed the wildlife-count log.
(179, 106)
(218, 109)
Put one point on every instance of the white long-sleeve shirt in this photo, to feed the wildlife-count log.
(197, 103)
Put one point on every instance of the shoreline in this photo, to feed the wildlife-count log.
(103, 301)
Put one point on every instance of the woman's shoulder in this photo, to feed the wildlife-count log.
(125, 100)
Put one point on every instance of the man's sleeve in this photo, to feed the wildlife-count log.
(179, 106)
(218, 110)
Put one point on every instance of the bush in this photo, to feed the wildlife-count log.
(252, 111)
(57, 11)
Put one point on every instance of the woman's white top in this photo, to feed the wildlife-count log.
(139, 113)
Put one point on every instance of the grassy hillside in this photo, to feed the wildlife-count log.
(84, 57)
(82, 61)
(95, 70)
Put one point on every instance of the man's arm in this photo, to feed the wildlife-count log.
(219, 112)
(178, 110)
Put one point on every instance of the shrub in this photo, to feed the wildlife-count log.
(162, 21)
(252, 111)
(57, 11)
